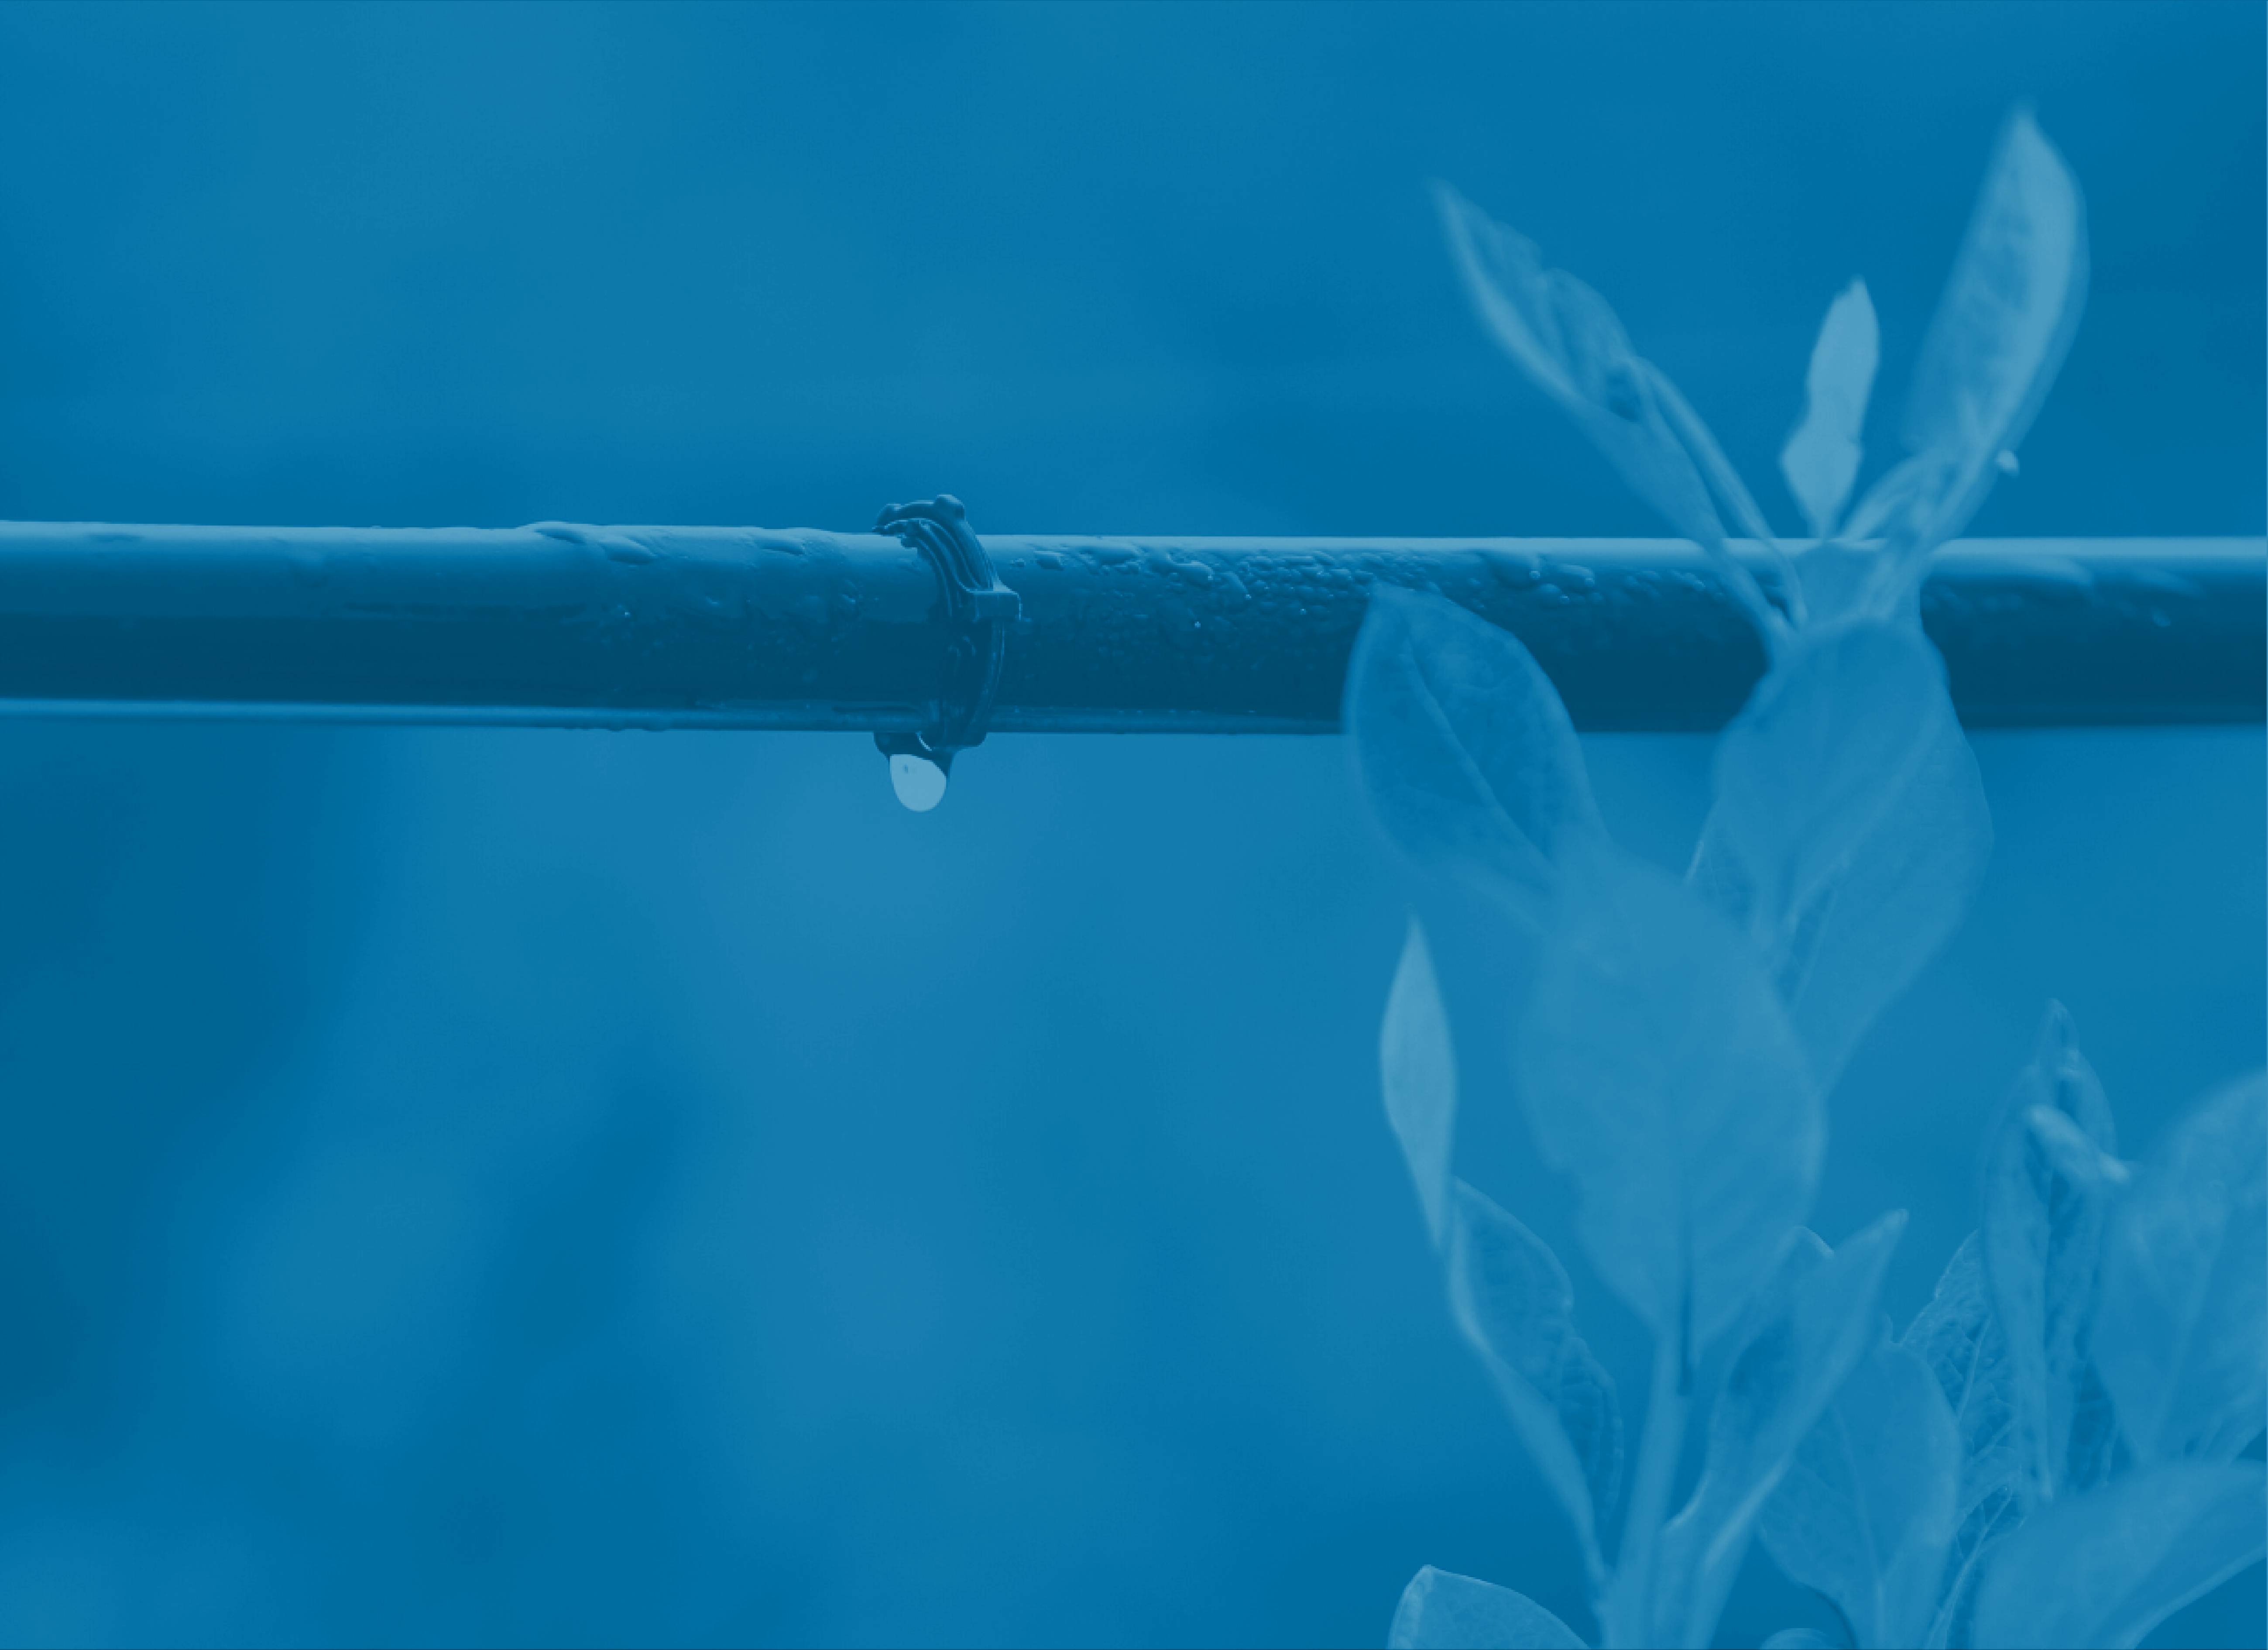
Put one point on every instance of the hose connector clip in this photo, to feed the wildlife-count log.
(978, 608)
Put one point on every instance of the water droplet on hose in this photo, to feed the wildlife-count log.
(919, 782)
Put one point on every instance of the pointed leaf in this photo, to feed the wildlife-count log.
(1468, 760)
(1802, 1256)
(1850, 858)
(1958, 1336)
(2041, 1239)
(1866, 1511)
(1806, 772)
(1512, 1300)
(1660, 1073)
(1418, 1068)
(2103, 1568)
(1821, 459)
(1443, 1611)
(2009, 306)
(1774, 1392)
(1907, 887)
(2000, 332)
(2183, 1334)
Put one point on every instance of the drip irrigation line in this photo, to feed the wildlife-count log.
(627, 627)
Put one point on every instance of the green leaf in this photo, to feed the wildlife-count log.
(2103, 1568)
(1849, 830)
(1419, 1072)
(1905, 889)
(1821, 459)
(1866, 1511)
(2041, 1241)
(1777, 1389)
(1958, 1336)
(2183, 1334)
(2000, 333)
(1443, 1611)
(1467, 758)
(1660, 1073)
(1512, 1300)
(1805, 772)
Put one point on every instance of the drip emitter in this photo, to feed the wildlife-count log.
(979, 609)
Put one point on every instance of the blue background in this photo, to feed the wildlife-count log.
(495, 1186)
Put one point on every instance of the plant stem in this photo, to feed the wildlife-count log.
(1659, 1445)
(1720, 473)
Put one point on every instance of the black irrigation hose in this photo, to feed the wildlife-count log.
(753, 628)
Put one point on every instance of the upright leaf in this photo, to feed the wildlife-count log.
(1647, 1596)
(1865, 1511)
(1772, 1397)
(1660, 1073)
(1440, 1610)
(2002, 327)
(1468, 760)
(1958, 1336)
(2183, 1325)
(1907, 886)
(1850, 830)
(1821, 459)
(1806, 773)
(1418, 1070)
(1512, 1300)
(1801, 1258)
(2041, 1240)
(1774, 1392)
(2103, 1568)
(2008, 309)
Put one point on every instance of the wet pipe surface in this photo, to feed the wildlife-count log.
(559, 623)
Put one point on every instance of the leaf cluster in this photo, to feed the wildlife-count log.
(2078, 1391)
(2099, 1351)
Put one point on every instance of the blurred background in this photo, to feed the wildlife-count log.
(474, 1186)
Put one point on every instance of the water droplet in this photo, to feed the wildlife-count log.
(919, 782)
(2007, 461)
